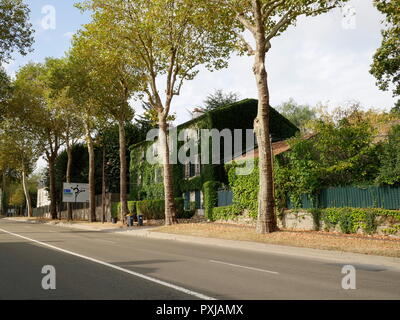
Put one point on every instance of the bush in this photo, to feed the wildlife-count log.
(226, 213)
(155, 209)
(350, 220)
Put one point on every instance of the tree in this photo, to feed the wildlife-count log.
(386, 64)
(85, 92)
(58, 98)
(265, 20)
(118, 82)
(32, 109)
(299, 115)
(5, 91)
(219, 98)
(166, 40)
(390, 167)
(15, 30)
(19, 150)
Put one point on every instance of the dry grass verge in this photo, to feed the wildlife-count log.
(374, 245)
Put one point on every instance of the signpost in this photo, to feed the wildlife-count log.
(75, 192)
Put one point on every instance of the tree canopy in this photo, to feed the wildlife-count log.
(386, 64)
(16, 32)
(389, 172)
(219, 98)
(299, 115)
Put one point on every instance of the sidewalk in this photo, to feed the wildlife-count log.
(308, 253)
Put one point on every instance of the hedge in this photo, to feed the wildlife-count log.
(151, 209)
(226, 213)
(210, 198)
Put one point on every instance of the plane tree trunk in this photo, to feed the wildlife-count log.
(52, 191)
(68, 178)
(170, 209)
(92, 190)
(266, 221)
(123, 169)
(26, 192)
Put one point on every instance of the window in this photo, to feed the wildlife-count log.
(192, 169)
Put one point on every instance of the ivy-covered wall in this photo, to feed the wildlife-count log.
(239, 115)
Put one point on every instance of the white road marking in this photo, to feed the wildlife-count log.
(139, 275)
(245, 267)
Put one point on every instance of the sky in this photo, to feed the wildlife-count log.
(324, 59)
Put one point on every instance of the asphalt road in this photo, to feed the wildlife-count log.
(103, 265)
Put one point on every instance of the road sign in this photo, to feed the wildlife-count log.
(75, 192)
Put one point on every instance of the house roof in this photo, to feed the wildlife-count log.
(283, 122)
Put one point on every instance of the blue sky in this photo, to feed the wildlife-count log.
(319, 60)
(50, 42)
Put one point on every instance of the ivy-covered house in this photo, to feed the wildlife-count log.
(191, 180)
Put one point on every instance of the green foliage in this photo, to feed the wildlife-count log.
(143, 184)
(219, 99)
(245, 187)
(340, 153)
(150, 209)
(154, 209)
(392, 230)
(299, 115)
(115, 209)
(5, 90)
(389, 172)
(210, 198)
(350, 220)
(386, 64)
(15, 30)
(226, 213)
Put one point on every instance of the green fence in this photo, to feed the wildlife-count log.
(385, 197)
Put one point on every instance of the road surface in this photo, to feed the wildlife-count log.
(104, 265)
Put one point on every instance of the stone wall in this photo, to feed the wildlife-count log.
(303, 221)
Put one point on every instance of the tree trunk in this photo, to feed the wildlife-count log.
(123, 170)
(103, 188)
(68, 178)
(92, 190)
(53, 207)
(170, 209)
(266, 221)
(27, 195)
(2, 194)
